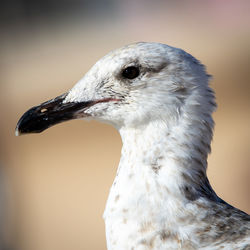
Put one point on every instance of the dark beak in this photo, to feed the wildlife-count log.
(49, 113)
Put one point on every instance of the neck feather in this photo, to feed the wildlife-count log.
(176, 154)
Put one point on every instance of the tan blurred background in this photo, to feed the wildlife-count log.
(53, 186)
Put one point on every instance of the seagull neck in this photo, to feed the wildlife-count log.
(174, 156)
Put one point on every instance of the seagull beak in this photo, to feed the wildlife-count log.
(49, 113)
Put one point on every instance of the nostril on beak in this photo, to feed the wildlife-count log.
(44, 110)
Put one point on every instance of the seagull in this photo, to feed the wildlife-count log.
(159, 99)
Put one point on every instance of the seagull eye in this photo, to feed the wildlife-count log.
(130, 72)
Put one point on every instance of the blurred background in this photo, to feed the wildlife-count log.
(54, 185)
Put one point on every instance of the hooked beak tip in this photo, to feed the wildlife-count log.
(17, 133)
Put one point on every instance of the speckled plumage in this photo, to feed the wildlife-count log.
(161, 197)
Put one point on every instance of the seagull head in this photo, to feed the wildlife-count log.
(130, 86)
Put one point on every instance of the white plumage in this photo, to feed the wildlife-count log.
(158, 98)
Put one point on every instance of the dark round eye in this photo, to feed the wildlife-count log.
(131, 72)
